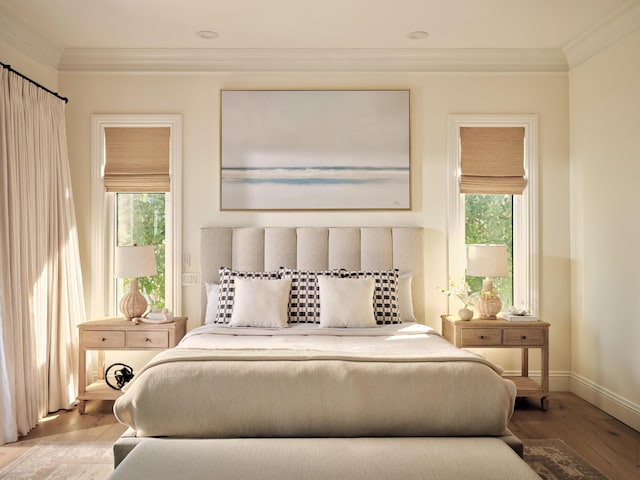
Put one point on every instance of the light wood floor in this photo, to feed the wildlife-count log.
(97, 424)
(611, 446)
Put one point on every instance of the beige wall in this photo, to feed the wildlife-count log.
(433, 97)
(605, 167)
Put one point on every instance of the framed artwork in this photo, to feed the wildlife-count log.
(314, 149)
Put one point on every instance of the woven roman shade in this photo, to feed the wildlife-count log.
(492, 160)
(137, 159)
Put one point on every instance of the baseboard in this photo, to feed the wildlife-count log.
(606, 400)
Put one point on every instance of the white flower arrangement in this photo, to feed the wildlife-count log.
(461, 291)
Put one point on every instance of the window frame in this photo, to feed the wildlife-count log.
(102, 299)
(525, 207)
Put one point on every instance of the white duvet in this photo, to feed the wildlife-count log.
(406, 340)
(304, 381)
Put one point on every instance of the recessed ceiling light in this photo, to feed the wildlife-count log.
(417, 35)
(207, 34)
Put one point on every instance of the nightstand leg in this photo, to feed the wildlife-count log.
(544, 360)
(82, 377)
(525, 362)
(81, 406)
(101, 364)
(544, 403)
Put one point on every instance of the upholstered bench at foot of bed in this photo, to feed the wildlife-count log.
(123, 446)
(404, 458)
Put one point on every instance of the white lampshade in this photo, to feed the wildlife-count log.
(487, 261)
(134, 262)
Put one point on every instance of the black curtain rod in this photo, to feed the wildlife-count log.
(8, 67)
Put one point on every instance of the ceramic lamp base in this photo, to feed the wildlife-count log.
(488, 305)
(133, 304)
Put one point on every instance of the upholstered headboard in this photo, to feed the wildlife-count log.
(313, 248)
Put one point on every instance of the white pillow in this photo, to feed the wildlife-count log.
(385, 293)
(346, 302)
(260, 303)
(405, 298)
(227, 290)
(213, 294)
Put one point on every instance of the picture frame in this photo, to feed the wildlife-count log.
(315, 150)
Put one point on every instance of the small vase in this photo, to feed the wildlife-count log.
(465, 313)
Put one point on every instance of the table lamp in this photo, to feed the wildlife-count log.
(487, 261)
(134, 262)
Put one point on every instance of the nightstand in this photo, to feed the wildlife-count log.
(504, 334)
(120, 334)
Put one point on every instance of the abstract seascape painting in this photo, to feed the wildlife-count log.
(315, 150)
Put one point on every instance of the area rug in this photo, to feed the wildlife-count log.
(63, 461)
(553, 459)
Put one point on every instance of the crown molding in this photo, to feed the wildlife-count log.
(623, 21)
(344, 60)
(17, 33)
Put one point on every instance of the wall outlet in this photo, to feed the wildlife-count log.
(190, 279)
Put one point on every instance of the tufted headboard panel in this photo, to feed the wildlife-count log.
(313, 248)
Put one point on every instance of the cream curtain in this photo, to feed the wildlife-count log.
(40, 278)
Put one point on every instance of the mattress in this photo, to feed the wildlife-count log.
(306, 381)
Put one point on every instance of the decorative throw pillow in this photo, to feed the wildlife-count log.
(213, 294)
(304, 299)
(260, 303)
(385, 298)
(227, 290)
(405, 298)
(346, 302)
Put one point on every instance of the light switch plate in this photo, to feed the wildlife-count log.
(190, 279)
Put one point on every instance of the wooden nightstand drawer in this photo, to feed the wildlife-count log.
(148, 339)
(480, 337)
(103, 339)
(523, 336)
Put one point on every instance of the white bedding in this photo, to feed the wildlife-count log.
(405, 342)
(306, 381)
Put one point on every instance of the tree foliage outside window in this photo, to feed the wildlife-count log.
(489, 219)
(140, 220)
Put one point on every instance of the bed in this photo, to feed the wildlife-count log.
(300, 367)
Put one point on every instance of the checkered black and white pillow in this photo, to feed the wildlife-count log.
(304, 298)
(227, 290)
(385, 294)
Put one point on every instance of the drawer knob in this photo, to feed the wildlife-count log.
(481, 337)
(147, 339)
(523, 337)
(103, 339)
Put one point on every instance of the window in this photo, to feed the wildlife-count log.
(135, 210)
(509, 219)
(488, 218)
(140, 220)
